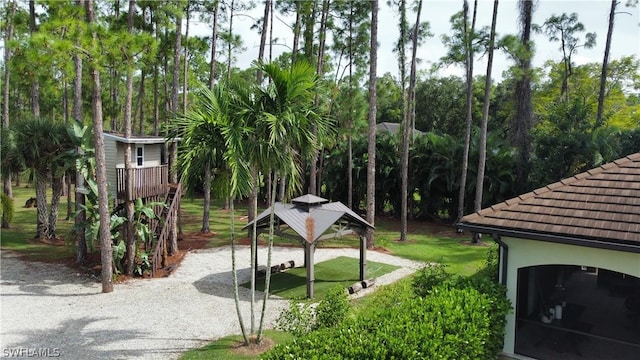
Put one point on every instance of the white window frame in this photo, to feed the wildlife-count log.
(139, 159)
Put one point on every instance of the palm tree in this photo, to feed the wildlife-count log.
(213, 139)
(287, 129)
(258, 129)
(40, 143)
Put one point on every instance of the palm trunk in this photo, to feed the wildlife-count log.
(41, 199)
(267, 280)
(236, 296)
(67, 180)
(58, 186)
(207, 199)
(253, 199)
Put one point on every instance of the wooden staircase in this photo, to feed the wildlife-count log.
(163, 229)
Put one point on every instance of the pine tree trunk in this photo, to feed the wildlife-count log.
(405, 126)
(482, 147)
(6, 182)
(468, 104)
(130, 236)
(314, 187)
(371, 147)
(175, 86)
(106, 250)
(214, 40)
(186, 61)
(523, 121)
(605, 64)
(35, 84)
(81, 242)
(263, 38)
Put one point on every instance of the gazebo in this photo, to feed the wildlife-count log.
(310, 219)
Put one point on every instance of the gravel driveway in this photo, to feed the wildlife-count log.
(52, 308)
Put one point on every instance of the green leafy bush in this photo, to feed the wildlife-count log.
(301, 318)
(333, 309)
(297, 319)
(429, 277)
(438, 317)
(6, 207)
(449, 324)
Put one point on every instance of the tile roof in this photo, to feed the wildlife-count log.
(602, 204)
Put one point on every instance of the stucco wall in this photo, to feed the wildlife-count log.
(525, 253)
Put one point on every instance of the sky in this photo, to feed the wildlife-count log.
(594, 14)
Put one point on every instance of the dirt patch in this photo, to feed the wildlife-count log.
(253, 349)
(91, 267)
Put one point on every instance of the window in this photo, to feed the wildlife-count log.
(568, 312)
(139, 156)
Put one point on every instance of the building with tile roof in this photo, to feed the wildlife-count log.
(572, 247)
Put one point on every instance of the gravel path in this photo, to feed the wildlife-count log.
(51, 307)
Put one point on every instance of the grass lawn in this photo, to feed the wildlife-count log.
(226, 348)
(23, 229)
(343, 271)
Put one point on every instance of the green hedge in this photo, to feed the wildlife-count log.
(450, 323)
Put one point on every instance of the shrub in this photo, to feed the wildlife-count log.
(297, 319)
(6, 207)
(301, 318)
(447, 318)
(448, 324)
(333, 309)
(429, 277)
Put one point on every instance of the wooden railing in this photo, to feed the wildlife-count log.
(159, 256)
(146, 182)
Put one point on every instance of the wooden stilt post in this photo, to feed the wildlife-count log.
(363, 257)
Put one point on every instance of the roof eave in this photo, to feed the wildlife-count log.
(139, 140)
(550, 237)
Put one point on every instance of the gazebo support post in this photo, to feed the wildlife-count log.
(308, 258)
(363, 257)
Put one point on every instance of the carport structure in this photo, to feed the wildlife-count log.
(310, 219)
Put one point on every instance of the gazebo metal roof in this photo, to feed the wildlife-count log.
(309, 219)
